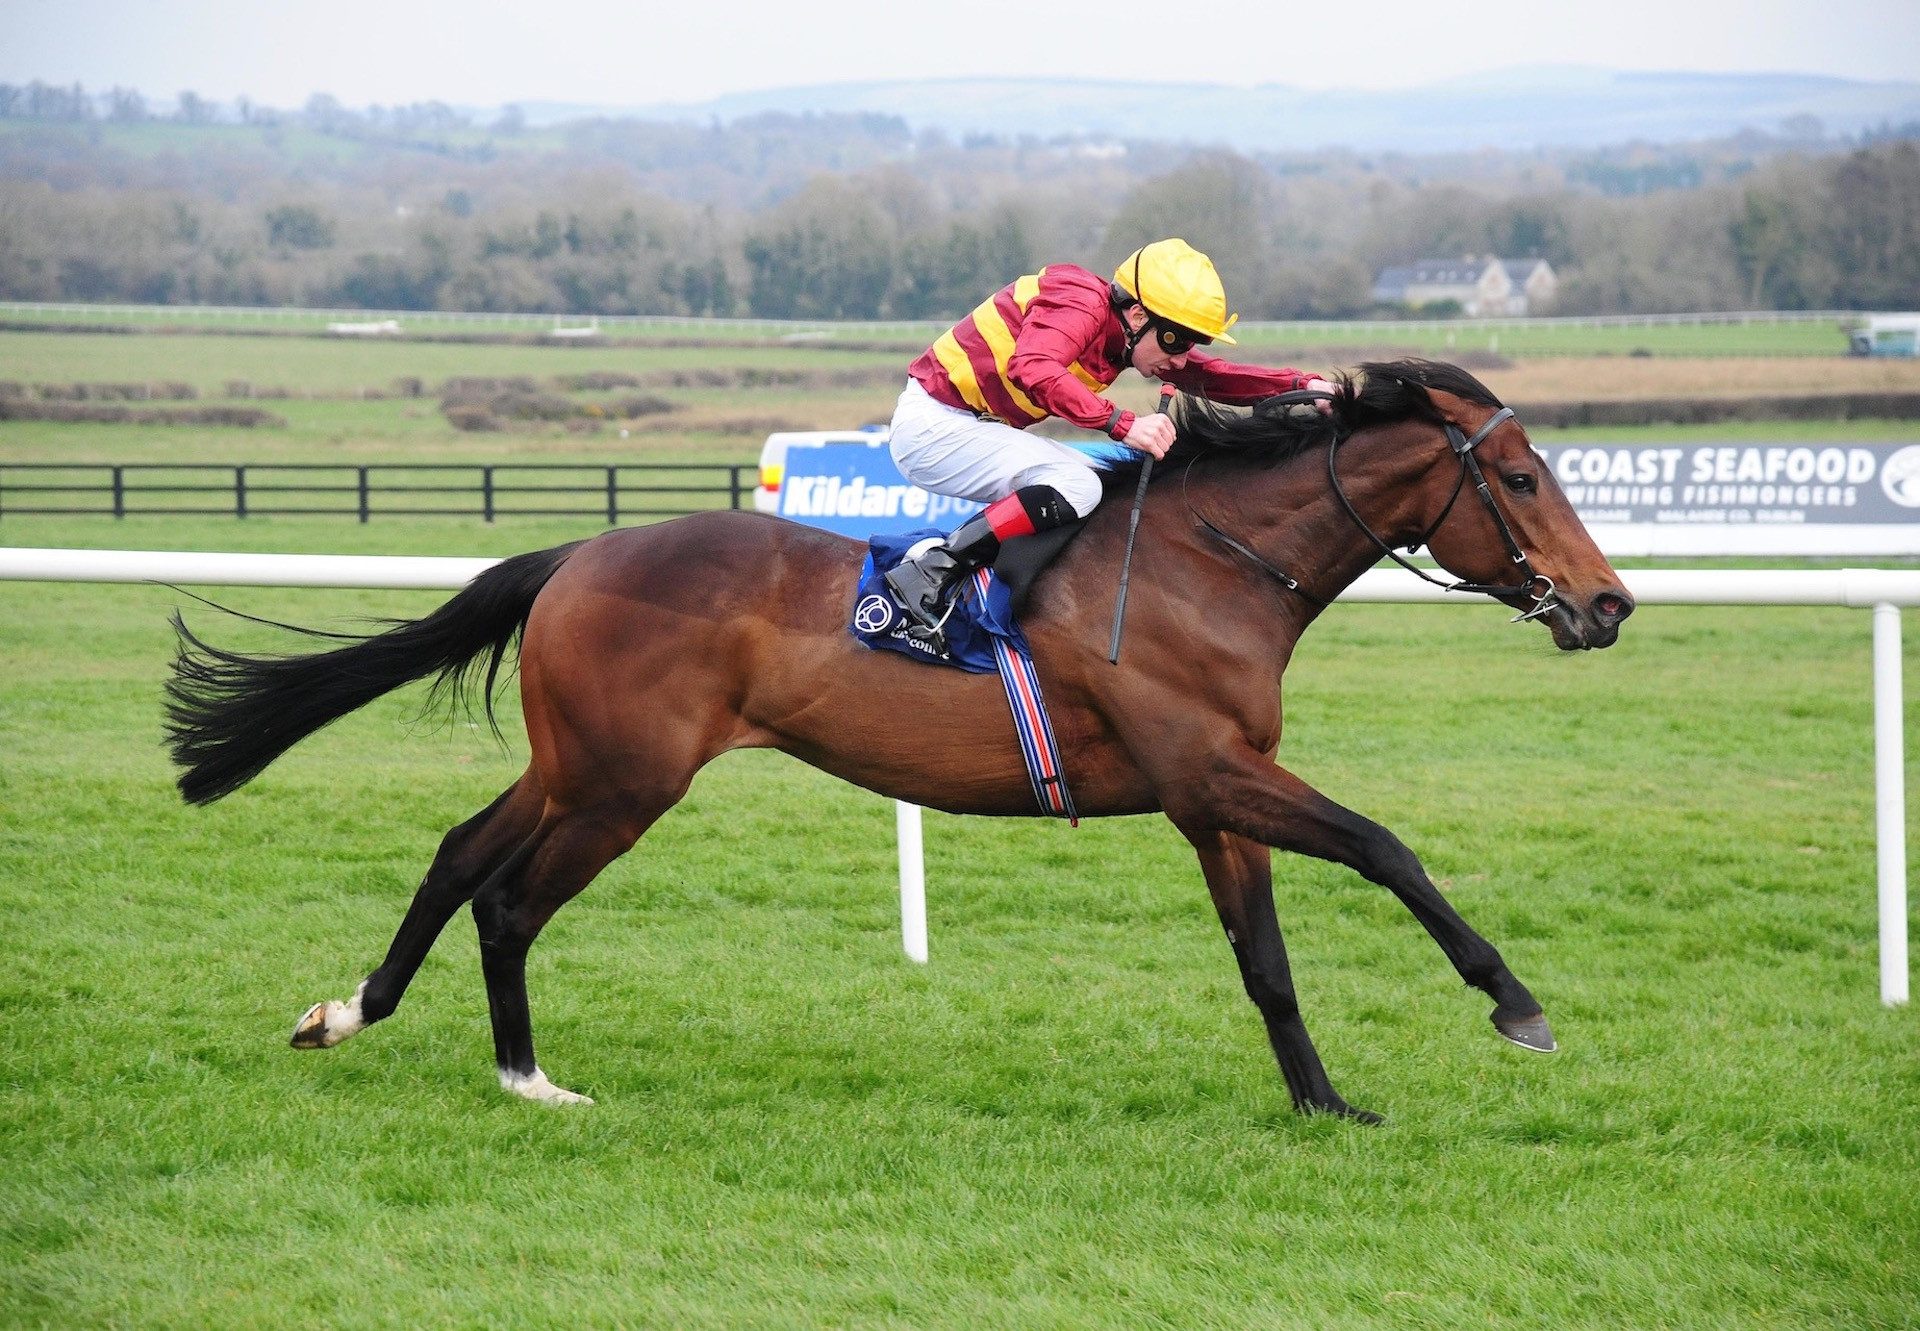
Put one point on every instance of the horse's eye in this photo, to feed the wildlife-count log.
(1520, 483)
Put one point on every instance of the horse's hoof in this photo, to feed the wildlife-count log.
(310, 1032)
(327, 1024)
(535, 1086)
(1342, 1109)
(1527, 1032)
(321, 1027)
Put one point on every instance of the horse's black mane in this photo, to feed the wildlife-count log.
(1377, 393)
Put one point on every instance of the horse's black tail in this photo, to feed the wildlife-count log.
(229, 715)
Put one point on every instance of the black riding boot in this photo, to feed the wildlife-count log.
(923, 582)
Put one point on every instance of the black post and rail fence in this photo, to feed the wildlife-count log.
(378, 490)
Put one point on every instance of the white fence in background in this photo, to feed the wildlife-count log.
(1884, 591)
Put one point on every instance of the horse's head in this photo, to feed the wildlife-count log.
(1421, 453)
(1502, 521)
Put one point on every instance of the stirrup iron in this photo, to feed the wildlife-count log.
(933, 633)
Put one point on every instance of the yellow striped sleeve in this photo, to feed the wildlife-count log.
(1026, 289)
(1000, 342)
(1086, 376)
(953, 359)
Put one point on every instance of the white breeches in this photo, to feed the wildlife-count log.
(953, 452)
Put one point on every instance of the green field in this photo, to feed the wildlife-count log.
(343, 407)
(346, 366)
(1550, 337)
(1069, 1118)
(1656, 335)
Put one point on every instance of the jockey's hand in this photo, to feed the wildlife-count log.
(1152, 435)
(1321, 386)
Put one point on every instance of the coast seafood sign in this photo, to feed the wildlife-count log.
(1817, 498)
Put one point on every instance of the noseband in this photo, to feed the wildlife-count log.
(1538, 587)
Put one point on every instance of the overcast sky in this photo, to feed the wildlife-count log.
(637, 52)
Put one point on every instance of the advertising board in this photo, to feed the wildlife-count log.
(1744, 498)
(855, 490)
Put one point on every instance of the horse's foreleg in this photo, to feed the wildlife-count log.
(467, 855)
(556, 863)
(1275, 807)
(1239, 876)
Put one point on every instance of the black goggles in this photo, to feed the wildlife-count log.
(1175, 340)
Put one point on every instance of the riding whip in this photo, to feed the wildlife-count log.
(1133, 528)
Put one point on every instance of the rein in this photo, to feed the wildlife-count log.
(1290, 583)
(1463, 448)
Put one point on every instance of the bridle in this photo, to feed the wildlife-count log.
(1545, 598)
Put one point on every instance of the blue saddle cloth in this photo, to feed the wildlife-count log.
(982, 638)
(978, 617)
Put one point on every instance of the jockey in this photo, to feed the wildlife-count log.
(1043, 347)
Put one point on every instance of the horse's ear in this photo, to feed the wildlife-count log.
(1451, 408)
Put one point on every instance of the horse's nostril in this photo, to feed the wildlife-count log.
(1610, 608)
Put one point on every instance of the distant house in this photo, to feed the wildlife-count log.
(1534, 284)
(1482, 287)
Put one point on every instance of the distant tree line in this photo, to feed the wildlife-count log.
(860, 217)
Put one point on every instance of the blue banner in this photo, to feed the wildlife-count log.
(855, 490)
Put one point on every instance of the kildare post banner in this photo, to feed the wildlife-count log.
(1744, 498)
(855, 490)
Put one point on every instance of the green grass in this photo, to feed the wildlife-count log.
(1520, 337)
(1861, 431)
(348, 365)
(724, 425)
(1069, 1118)
(1525, 338)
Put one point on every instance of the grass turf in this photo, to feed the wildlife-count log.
(1069, 1119)
(1525, 337)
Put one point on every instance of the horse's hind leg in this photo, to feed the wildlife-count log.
(1240, 879)
(467, 856)
(565, 853)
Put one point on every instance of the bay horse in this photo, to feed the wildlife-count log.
(645, 653)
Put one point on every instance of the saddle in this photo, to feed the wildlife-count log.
(983, 609)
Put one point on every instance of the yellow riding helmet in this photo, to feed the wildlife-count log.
(1178, 283)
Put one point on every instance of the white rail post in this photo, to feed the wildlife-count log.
(1890, 801)
(913, 881)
